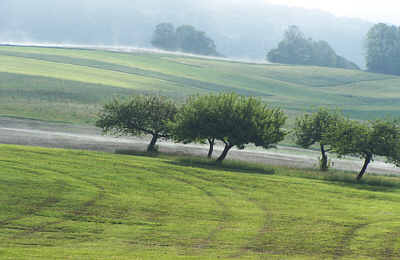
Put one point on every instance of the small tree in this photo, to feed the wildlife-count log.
(232, 119)
(311, 129)
(137, 116)
(366, 140)
(196, 121)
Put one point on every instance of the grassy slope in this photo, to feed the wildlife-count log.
(68, 85)
(60, 204)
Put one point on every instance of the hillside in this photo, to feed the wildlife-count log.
(59, 204)
(70, 84)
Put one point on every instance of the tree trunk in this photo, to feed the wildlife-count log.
(224, 153)
(364, 168)
(211, 141)
(152, 146)
(324, 159)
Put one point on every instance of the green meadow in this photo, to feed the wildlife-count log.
(70, 85)
(71, 204)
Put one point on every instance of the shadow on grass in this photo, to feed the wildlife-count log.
(371, 182)
(226, 165)
(205, 163)
(137, 153)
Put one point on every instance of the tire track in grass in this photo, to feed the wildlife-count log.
(225, 211)
(259, 205)
(225, 208)
(77, 212)
(90, 203)
(48, 202)
(348, 236)
(390, 242)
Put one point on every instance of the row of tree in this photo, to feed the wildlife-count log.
(185, 38)
(236, 120)
(229, 118)
(383, 49)
(296, 48)
(343, 136)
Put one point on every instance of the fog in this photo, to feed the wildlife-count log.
(240, 29)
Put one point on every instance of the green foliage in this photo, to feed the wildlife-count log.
(138, 115)
(230, 118)
(192, 41)
(312, 128)
(295, 48)
(383, 49)
(366, 140)
(164, 37)
(197, 121)
(185, 38)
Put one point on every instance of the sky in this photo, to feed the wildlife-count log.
(386, 11)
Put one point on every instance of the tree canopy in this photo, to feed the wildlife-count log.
(366, 140)
(185, 38)
(313, 128)
(383, 49)
(141, 114)
(164, 37)
(197, 121)
(230, 118)
(296, 48)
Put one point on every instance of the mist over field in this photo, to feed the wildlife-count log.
(240, 29)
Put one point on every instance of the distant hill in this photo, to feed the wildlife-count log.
(71, 84)
(245, 29)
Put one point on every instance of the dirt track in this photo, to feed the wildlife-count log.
(37, 133)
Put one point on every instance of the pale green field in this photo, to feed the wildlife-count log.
(56, 84)
(62, 204)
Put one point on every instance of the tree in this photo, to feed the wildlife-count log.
(137, 116)
(383, 49)
(164, 37)
(185, 38)
(192, 41)
(196, 121)
(311, 129)
(232, 119)
(366, 140)
(295, 48)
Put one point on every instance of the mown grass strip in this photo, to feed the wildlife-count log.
(181, 81)
(95, 205)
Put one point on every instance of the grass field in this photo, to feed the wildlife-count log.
(71, 84)
(62, 204)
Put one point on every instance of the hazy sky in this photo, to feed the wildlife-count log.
(386, 11)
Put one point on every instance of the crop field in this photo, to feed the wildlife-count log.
(70, 85)
(64, 204)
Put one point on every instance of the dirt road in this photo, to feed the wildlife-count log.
(38, 133)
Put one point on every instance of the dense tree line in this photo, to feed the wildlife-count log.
(383, 49)
(296, 48)
(185, 38)
(234, 120)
